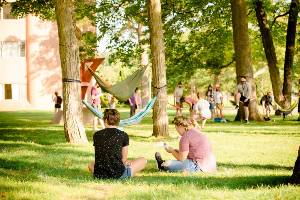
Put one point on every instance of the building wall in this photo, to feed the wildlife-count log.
(13, 68)
(34, 77)
(43, 63)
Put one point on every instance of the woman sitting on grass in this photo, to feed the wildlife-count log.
(195, 152)
(111, 150)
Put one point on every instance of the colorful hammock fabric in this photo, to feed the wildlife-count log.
(288, 111)
(135, 119)
(123, 89)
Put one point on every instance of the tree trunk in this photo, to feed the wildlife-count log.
(295, 178)
(289, 51)
(282, 93)
(144, 59)
(270, 53)
(160, 116)
(69, 56)
(243, 53)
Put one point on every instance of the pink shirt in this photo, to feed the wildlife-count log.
(199, 148)
(95, 96)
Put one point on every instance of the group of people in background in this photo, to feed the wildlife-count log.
(202, 106)
(211, 104)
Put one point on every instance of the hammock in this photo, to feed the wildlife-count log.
(123, 89)
(135, 119)
(288, 111)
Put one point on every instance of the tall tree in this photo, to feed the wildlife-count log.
(63, 12)
(243, 52)
(295, 178)
(282, 92)
(144, 60)
(160, 117)
(69, 56)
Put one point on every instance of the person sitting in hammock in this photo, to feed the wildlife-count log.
(111, 150)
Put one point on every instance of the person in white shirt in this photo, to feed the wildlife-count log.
(202, 109)
(218, 99)
(178, 96)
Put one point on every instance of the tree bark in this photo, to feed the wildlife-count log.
(69, 56)
(144, 60)
(270, 53)
(243, 53)
(282, 92)
(295, 178)
(160, 117)
(290, 51)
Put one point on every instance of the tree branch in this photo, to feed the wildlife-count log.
(274, 20)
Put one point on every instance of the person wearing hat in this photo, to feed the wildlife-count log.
(243, 95)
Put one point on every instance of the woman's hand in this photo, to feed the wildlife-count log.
(169, 149)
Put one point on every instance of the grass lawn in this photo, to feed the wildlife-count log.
(254, 160)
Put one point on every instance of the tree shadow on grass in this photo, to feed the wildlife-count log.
(28, 118)
(212, 182)
(38, 136)
(33, 171)
(255, 166)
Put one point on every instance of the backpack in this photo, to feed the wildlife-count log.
(58, 100)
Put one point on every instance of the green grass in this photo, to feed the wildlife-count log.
(254, 161)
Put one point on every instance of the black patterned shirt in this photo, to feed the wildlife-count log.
(108, 145)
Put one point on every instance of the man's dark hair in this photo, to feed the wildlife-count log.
(112, 117)
(243, 77)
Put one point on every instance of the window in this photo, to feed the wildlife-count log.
(5, 12)
(12, 49)
(22, 49)
(7, 91)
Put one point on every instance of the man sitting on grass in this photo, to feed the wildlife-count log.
(194, 154)
(111, 150)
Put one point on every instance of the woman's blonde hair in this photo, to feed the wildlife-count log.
(185, 122)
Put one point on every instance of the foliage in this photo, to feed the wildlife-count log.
(253, 162)
(41, 8)
(197, 34)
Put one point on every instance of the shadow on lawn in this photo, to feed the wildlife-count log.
(33, 171)
(204, 182)
(38, 136)
(254, 166)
